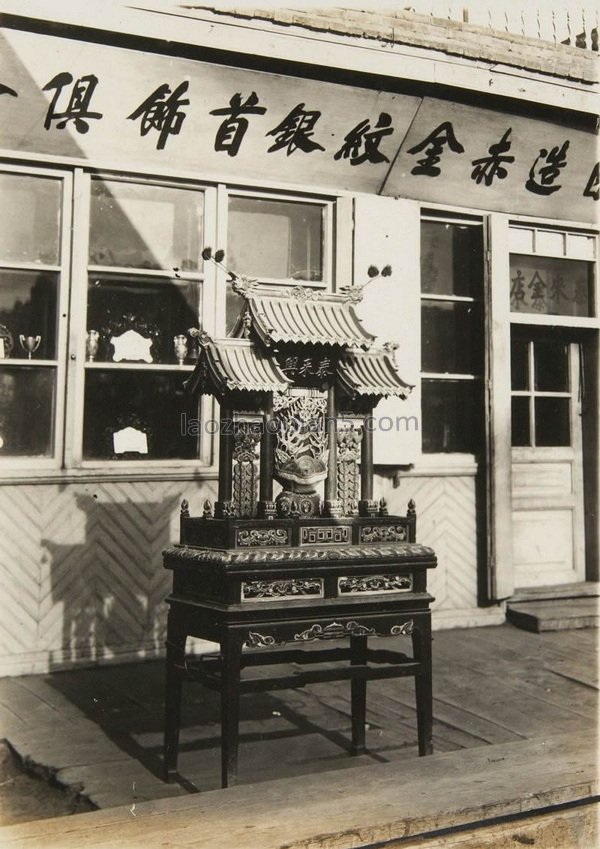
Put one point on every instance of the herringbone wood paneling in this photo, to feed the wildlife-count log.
(447, 522)
(81, 573)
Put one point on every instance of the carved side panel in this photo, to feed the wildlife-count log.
(348, 478)
(246, 468)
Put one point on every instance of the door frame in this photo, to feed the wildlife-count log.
(498, 579)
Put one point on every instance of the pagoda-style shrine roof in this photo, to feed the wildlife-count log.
(230, 365)
(306, 317)
(371, 373)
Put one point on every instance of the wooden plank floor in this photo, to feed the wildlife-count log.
(101, 728)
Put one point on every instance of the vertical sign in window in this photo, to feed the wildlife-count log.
(451, 336)
(144, 294)
(30, 272)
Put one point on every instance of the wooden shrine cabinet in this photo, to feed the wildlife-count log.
(309, 575)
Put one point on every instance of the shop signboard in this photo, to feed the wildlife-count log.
(106, 106)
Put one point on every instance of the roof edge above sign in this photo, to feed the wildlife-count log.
(167, 22)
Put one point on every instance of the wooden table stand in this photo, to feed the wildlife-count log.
(367, 591)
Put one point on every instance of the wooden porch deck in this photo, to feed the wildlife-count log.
(100, 729)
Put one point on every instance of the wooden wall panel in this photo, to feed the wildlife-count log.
(81, 576)
(446, 520)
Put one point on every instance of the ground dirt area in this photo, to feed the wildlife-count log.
(25, 796)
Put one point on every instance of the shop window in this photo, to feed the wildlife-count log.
(92, 363)
(144, 293)
(451, 336)
(276, 239)
(31, 288)
(277, 242)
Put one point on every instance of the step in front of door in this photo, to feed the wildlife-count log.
(555, 615)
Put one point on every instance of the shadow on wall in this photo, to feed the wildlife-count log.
(110, 587)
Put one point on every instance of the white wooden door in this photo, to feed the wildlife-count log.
(547, 470)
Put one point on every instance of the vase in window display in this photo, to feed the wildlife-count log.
(180, 347)
(92, 341)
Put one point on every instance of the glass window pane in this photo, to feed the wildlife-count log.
(551, 365)
(520, 421)
(550, 286)
(451, 259)
(451, 416)
(552, 427)
(28, 308)
(164, 421)
(519, 363)
(143, 226)
(275, 239)
(27, 397)
(550, 242)
(31, 218)
(234, 306)
(450, 337)
(156, 309)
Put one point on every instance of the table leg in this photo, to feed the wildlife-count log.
(421, 639)
(358, 690)
(231, 650)
(175, 673)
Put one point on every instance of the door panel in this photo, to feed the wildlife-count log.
(547, 470)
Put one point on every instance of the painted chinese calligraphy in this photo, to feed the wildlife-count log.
(433, 147)
(542, 177)
(363, 136)
(4, 89)
(77, 104)
(161, 111)
(295, 131)
(320, 367)
(592, 187)
(488, 167)
(231, 132)
(543, 286)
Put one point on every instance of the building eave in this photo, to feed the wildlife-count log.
(293, 43)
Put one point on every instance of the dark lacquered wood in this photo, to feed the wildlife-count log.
(208, 602)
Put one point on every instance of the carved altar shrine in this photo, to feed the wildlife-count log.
(319, 561)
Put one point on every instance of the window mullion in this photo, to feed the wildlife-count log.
(77, 329)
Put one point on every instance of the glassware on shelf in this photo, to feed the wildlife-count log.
(30, 344)
(181, 348)
(92, 340)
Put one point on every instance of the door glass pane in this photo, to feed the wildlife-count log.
(28, 313)
(450, 337)
(550, 286)
(31, 219)
(451, 416)
(552, 426)
(551, 365)
(451, 259)
(27, 398)
(143, 226)
(161, 422)
(275, 239)
(519, 364)
(157, 310)
(520, 421)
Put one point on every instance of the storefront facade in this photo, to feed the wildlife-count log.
(124, 155)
